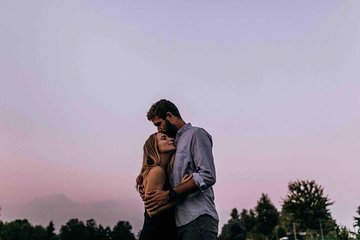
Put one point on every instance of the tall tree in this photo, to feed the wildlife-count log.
(2, 227)
(267, 216)
(17, 230)
(103, 233)
(306, 205)
(122, 231)
(73, 229)
(50, 231)
(38, 233)
(248, 220)
(357, 223)
(233, 230)
(92, 229)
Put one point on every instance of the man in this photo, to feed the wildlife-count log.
(195, 212)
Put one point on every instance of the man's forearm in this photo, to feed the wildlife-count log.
(186, 188)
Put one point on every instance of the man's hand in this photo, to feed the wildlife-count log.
(141, 191)
(158, 198)
(155, 199)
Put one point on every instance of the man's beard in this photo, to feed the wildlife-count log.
(170, 129)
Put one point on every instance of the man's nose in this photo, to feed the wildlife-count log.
(159, 129)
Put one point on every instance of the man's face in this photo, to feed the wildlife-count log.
(165, 126)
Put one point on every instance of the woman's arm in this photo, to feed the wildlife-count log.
(155, 180)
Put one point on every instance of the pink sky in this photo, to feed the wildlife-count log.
(276, 85)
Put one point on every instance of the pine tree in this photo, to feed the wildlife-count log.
(50, 231)
(233, 230)
(357, 223)
(267, 216)
(306, 205)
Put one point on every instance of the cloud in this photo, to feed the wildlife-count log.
(59, 208)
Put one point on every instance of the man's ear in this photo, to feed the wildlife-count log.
(169, 115)
(171, 118)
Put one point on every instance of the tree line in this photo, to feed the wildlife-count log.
(74, 229)
(304, 215)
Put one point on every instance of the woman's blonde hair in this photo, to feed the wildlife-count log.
(151, 158)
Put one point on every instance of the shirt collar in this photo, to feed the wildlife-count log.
(181, 131)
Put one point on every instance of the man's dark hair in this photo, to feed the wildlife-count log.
(160, 108)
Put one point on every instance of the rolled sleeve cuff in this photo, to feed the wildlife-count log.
(199, 181)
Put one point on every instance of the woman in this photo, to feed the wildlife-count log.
(159, 152)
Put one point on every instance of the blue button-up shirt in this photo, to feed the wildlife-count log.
(194, 155)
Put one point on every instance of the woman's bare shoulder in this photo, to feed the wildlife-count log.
(155, 178)
(156, 171)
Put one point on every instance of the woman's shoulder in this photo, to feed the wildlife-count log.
(156, 171)
(156, 175)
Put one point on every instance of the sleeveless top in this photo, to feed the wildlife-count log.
(160, 227)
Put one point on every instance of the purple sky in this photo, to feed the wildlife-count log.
(276, 83)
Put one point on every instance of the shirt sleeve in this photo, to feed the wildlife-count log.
(201, 150)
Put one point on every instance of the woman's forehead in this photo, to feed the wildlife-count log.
(160, 134)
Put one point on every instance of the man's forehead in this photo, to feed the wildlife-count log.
(157, 119)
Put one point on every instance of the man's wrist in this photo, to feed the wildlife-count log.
(172, 195)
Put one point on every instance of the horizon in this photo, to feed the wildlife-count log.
(84, 210)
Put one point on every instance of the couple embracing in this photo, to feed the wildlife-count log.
(176, 179)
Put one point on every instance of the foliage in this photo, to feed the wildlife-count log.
(280, 231)
(17, 230)
(38, 233)
(329, 227)
(72, 230)
(122, 231)
(252, 224)
(233, 230)
(92, 229)
(1, 229)
(248, 220)
(343, 233)
(357, 223)
(306, 205)
(267, 216)
(103, 233)
(50, 231)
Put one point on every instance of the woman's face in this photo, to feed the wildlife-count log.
(165, 143)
